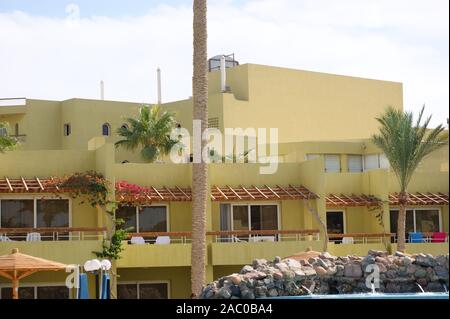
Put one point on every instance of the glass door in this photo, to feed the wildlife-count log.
(241, 219)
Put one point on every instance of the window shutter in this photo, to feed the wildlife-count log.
(332, 163)
(355, 163)
(371, 162)
(384, 162)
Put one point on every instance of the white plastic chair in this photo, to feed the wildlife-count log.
(137, 240)
(347, 240)
(162, 240)
(4, 238)
(33, 237)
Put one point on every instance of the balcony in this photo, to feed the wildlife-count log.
(165, 249)
(52, 234)
(66, 245)
(156, 249)
(361, 243)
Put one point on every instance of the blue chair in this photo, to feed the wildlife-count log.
(83, 291)
(416, 237)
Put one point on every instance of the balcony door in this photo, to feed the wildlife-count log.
(255, 217)
(425, 220)
(335, 222)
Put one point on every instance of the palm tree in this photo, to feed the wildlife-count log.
(199, 170)
(406, 144)
(7, 143)
(151, 131)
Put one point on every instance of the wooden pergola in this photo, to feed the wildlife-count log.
(333, 200)
(218, 193)
(417, 199)
(260, 193)
(17, 266)
(28, 185)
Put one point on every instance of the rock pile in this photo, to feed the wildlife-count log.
(327, 274)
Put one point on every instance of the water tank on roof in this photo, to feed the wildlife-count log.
(214, 62)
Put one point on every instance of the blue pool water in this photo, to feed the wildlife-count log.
(424, 295)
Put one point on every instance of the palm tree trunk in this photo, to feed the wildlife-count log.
(199, 170)
(316, 215)
(401, 223)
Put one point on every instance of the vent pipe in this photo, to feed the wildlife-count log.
(223, 74)
(102, 90)
(158, 76)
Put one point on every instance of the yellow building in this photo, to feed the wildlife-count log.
(327, 167)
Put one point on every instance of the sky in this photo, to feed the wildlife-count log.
(56, 49)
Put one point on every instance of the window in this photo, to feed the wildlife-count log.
(24, 293)
(213, 122)
(31, 213)
(156, 290)
(106, 129)
(67, 129)
(355, 163)
(128, 214)
(384, 162)
(418, 220)
(37, 292)
(52, 213)
(335, 222)
(152, 219)
(3, 131)
(264, 217)
(332, 163)
(17, 213)
(125, 126)
(254, 217)
(374, 161)
(52, 292)
(371, 162)
(144, 219)
(312, 156)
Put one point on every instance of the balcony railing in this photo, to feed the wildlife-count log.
(426, 237)
(359, 238)
(52, 234)
(225, 236)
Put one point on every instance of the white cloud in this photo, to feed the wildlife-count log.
(400, 40)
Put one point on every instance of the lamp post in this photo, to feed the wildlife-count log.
(96, 267)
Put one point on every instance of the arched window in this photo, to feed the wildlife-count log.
(67, 129)
(125, 126)
(106, 129)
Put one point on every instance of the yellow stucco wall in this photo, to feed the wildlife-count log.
(346, 106)
(178, 278)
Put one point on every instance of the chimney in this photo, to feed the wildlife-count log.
(158, 75)
(102, 90)
(223, 74)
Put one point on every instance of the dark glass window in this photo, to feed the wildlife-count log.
(17, 213)
(106, 129)
(67, 129)
(152, 219)
(409, 221)
(264, 217)
(52, 213)
(427, 220)
(128, 214)
(143, 291)
(127, 291)
(335, 222)
(53, 292)
(24, 293)
(153, 291)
